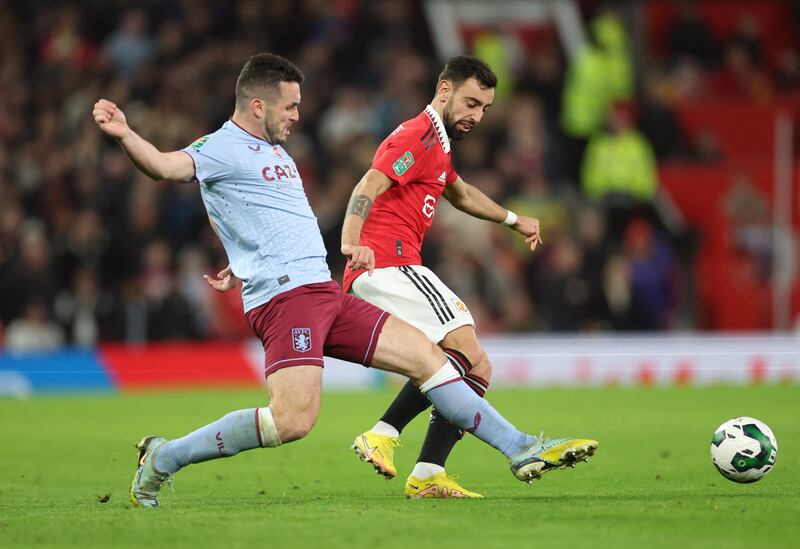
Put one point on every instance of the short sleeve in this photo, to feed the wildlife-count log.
(451, 176)
(400, 157)
(211, 162)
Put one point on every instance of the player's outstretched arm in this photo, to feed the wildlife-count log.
(371, 185)
(177, 165)
(471, 200)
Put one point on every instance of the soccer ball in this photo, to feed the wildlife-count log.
(744, 449)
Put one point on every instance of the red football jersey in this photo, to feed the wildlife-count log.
(416, 157)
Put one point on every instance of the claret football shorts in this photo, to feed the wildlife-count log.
(298, 327)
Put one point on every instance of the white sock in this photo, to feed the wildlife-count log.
(425, 470)
(383, 428)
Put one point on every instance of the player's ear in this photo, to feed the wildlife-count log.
(257, 107)
(444, 90)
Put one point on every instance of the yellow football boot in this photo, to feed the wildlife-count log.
(550, 454)
(377, 450)
(440, 485)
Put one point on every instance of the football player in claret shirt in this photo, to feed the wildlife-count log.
(390, 210)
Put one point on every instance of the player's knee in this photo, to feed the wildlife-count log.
(425, 361)
(298, 427)
(302, 429)
(405, 350)
(478, 359)
(293, 421)
(482, 366)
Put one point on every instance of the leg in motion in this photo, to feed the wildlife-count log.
(377, 445)
(403, 349)
(429, 478)
(290, 416)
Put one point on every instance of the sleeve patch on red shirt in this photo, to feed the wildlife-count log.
(403, 163)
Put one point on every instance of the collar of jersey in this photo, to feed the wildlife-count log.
(438, 125)
(254, 136)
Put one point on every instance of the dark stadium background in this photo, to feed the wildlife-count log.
(93, 252)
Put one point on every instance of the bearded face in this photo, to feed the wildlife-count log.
(457, 128)
(465, 107)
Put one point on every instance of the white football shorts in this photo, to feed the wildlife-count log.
(416, 295)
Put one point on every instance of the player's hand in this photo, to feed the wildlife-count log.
(225, 280)
(110, 119)
(361, 257)
(529, 227)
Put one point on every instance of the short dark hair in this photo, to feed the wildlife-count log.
(463, 67)
(265, 71)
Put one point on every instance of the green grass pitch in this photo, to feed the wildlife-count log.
(651, 483)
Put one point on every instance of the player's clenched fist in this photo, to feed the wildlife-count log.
(110, 118)
(361, 257)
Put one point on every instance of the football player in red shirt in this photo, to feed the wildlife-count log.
(390, 210)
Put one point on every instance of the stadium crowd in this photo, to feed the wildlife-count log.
(92, 251)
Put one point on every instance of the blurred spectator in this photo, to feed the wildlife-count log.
(617, 292)
(612, 38)
(34, 330)
(347, 119)
(130, 46)
(536, 200)
(84, 245)
(591, 233)
(64, 41)
(704, 148)
(740, 76)
(542, 76)
(131, 233)
(657, 119)
(502, 51)
(331, 203)
(748, 35)
(619, 166)
(601, 72)
(33, 275)
(688, 80)
(787, 71)
(524, 141)
(83, 308)
(169, 315)
(748, 213)
(11, 216)
(652, 276)
(562, 293)
(689, 36)
(192, 265)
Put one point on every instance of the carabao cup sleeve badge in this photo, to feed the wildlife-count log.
(403, 163)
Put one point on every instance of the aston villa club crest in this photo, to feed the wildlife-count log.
(301, 339)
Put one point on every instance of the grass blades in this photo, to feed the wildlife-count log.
(66, 464)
